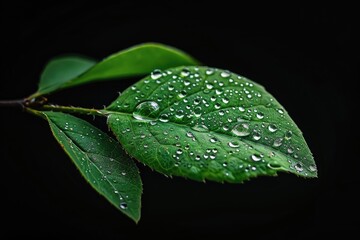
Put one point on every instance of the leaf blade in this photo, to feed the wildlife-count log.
(208, 124)
(100, 160)
(60, 70)
(135, 61)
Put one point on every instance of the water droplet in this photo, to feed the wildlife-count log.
(274, 165)
(288, 135)
(156, 74)
(218, 91)
(200, 128)
(256, 157)
(241, 109)
(225, 164)
(260, 115)
(225, 100)
(221, 113)
(123, 205)
(145, 110)
(164, 118)
(187, 82)
(116, 191)
(278, 142)
(197, 111)
(226, 128)
(217, 106)
(209, 86)
(182, 94)
(290, 150)
(185, 72)
(234, 144)
(179, 151)
(312, 168)
(197, 158)
(123, 173)
(249, 96)
(179, 114)
(241, 130)
(209, 71)
(190, 134)
(256, 136)
(225, 74)
(213, 140)
(298, 167)
(272, 128)
(280, 111)
(171, 87)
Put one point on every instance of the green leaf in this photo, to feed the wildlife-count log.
(101, 161)
(135, 61)
(61, 70)
(203, 123)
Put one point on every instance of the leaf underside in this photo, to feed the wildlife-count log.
(101, 161)
(204, 123)
(65, 72)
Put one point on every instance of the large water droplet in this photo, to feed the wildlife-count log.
(272, 128)
(200, 128)
(156, 74)
(145, 110)
(256, 157)
(241, 130)
(274, 165)
(197, 111)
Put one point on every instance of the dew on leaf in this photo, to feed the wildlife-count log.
(241, 130)
(145, 110)
(156, 74)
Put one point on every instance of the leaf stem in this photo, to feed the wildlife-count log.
(70, 109)
(12, 103)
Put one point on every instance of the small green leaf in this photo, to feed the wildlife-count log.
(101, 160)
(60, 71)
(135, 61)
(204, 123)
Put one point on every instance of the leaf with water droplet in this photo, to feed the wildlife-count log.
(65, 72)
(202, 110)
(101, 161)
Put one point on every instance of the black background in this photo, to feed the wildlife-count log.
(305, 56)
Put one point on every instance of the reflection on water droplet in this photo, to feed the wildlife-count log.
(156, 74)
(272, 128)
(123, 205)
(298, 167)
(256, 157)
(241, 130)
(200, 128)
(145, 110)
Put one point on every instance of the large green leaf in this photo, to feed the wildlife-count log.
(101, 161)
(135, 61)
(204, 123)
